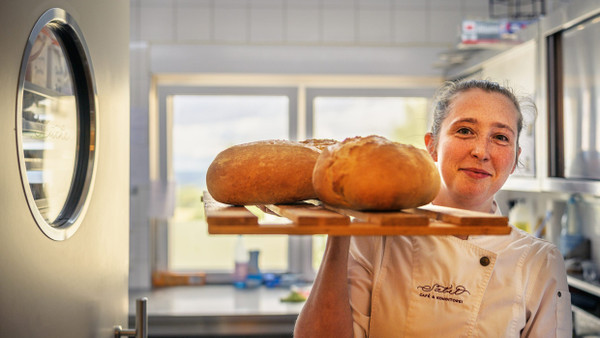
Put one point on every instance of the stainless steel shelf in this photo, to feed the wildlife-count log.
(582, 285)
(585, 324)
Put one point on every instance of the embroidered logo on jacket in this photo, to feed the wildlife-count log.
(443, 293)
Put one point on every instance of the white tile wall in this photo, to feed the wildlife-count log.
(444, 26)
(193, 20)
(134, 20)
(322, 22)
(157, 20)
(319, 22)
(268, 3)
(481, 6)
(302, 24)
(267, 24)
(410, 26)
(344, 3)
(230, 22)
(306, 21)
(374, 25)
(411, 4)
(445, 4)
(338, 25)
(381, 4)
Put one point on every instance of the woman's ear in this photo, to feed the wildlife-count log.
(431, 146)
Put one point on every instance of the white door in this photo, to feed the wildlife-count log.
(64, 168)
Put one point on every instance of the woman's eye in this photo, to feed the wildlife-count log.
(464, 131)
(502, 138)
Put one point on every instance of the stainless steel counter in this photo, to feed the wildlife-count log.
(216, 310)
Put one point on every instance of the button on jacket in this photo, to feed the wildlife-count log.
(442, 286)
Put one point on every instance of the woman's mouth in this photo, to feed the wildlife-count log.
(476, 173)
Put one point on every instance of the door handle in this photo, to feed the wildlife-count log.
(141, 322)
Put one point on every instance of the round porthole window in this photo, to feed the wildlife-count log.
(56, 124)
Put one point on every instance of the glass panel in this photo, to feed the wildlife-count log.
(581, 86)
(401, 119)
(49, 125)
(202, 127)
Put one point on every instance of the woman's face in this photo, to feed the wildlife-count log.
(477, 147)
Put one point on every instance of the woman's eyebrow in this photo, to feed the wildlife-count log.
(495, 124)
(503, 126)
(465, 120)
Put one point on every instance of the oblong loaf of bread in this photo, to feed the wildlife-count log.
(263, 172)
(374, 173)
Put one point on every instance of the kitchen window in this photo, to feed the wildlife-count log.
(204, 125)
(197, 122)
(402, 119)
(194, 125)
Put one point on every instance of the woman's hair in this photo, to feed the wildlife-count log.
(445, 95)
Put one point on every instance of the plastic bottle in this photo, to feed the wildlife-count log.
(521, 216)
(570, 232)
(254, 278)
(241, 263)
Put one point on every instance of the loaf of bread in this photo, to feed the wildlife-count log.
(264, 172)
(374, 173)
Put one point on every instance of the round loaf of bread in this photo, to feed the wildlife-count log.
(263, 172)
(374, 173)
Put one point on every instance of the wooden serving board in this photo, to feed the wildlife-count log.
(459, 216)
(313, 219)
(385, 217)
(303, 214)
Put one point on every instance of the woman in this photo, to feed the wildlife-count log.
(432, 286)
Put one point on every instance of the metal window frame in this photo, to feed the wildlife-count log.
(77, 56)
(550, 30)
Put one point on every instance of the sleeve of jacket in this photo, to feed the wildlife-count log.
(548, 300)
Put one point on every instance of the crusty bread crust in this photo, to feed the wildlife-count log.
(263, 172)
(374, 173)
(320, 144)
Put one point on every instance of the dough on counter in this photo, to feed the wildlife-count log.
(374, 173)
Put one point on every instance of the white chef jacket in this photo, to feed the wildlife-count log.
(442, 286)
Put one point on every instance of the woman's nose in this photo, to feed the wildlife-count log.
(480, 150)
